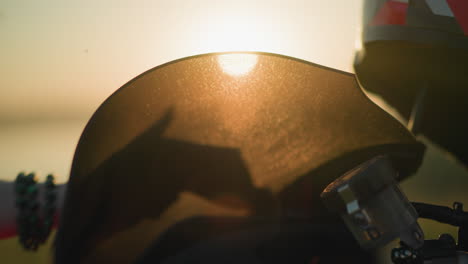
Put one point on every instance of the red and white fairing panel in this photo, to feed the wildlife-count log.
(449, 14)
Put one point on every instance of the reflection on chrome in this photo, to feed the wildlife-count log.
(237, 64)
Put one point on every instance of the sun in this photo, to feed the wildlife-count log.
(237, 64)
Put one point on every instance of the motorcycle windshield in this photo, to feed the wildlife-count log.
(230, 132)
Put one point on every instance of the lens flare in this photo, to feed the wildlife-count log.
(237, 64)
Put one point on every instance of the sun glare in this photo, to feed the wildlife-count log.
(237, 64)
(235, 32)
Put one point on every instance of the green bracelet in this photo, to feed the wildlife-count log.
(34, 228)
(50, 198)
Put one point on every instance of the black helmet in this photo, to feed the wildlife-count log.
(222, 158)
(419, 49)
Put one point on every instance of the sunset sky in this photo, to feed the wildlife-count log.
(61, 59)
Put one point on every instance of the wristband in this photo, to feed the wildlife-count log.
(34, 225)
